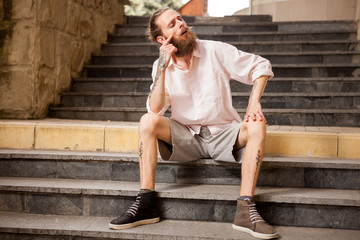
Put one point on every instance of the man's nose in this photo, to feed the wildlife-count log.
(181, 23)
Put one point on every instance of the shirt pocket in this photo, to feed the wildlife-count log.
(215, 87)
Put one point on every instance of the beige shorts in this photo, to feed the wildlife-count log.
(186, 147)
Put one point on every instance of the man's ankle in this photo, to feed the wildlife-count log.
(145, 190)
(246, 198)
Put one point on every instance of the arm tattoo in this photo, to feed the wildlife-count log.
(162, 59)
(161, 65)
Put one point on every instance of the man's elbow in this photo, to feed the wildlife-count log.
(156, 109)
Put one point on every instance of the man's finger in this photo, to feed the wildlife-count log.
(168, 39)
(246, 118)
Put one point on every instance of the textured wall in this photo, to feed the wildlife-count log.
(43, 44)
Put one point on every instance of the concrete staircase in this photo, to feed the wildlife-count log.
(66, 179)
(316, 66)
(71, 177)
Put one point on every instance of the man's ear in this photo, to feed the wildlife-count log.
(160, 39)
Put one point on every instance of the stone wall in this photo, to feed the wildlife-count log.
(45, 43)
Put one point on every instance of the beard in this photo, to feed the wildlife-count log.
(185, 45)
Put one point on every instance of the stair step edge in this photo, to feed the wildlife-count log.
(97, 227)
(334, 197)
(273, 161)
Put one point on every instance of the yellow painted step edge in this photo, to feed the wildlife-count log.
(123, 137)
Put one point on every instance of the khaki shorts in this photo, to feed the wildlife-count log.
(186, 147)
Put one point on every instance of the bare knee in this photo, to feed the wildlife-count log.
(256, 130)
(149, 124)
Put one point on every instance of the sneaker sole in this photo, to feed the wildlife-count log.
(255, 234)
(134, 224)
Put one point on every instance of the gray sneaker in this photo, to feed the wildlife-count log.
(248, 220)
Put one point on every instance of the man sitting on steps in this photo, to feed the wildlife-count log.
(193, 76)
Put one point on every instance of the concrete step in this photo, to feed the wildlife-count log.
(191, 19)
(280, 70)
(268, 47)
(274, 58)
(250, 36)
(332, 100)
(294, 172)
(316, 26)
(300, 117)
(104, 136)
(220, 27)
(37, 226)
(335, 84)
(279, 206)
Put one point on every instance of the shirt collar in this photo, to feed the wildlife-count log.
(196, 53)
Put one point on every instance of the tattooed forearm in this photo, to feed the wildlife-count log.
(161, 65)
(162, 59)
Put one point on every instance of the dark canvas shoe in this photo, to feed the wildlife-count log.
(248, 220)
(143, 211)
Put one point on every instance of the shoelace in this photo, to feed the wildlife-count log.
(254, 215)
(135, 207)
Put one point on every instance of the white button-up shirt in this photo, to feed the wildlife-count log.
(201, 95)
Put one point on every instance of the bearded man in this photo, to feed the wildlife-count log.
(193, 76)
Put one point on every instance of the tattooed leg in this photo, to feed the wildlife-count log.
(252, 135)
(151, 128)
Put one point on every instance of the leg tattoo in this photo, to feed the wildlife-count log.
(141, 150)
(140, 158)
(257, 163)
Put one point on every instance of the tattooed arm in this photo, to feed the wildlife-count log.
(254, 110)
(157, 93)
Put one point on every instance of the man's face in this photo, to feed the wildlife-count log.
(184, 39)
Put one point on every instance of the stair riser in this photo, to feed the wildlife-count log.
(128, 30)
(327, 102)
(281, 27)
(279, 59)
(202, 210)
(226, 19)
(279, 71)
(310, 86)
(246, 38)
(293, 47)
(272, 86)
(270, 176)
(104, 101)
(300, 119)
(133, 116)
(317, 26)
(120, 86)
(314, 119)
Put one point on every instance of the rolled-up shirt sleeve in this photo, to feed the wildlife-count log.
(167, 98)
(242, 66)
